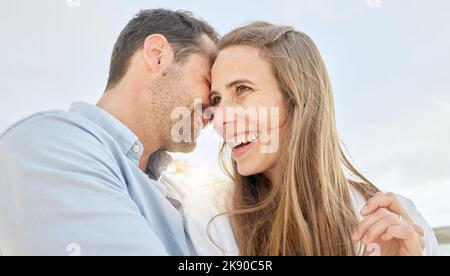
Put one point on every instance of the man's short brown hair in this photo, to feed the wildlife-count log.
(182, 30)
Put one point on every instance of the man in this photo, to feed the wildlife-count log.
(84, 181)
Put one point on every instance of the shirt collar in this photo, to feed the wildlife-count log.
(158, 163)
(128, 141)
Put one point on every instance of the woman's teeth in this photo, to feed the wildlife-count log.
(240, 140)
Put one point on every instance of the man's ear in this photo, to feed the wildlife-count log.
(158, 54)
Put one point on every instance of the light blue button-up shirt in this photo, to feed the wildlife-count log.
(70, 183)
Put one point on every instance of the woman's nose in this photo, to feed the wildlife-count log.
(228, 119)
(220, 119)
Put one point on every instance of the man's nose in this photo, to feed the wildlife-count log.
(206, 117)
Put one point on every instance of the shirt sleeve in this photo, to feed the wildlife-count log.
(61, 193)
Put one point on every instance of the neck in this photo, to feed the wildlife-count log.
(122, 102)
(270, 174)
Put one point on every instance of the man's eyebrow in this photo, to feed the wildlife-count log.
(208, 79)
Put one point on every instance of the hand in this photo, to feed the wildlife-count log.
(387, 224)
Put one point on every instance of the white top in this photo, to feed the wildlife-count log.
(203, 205)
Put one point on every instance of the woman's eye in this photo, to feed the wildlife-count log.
(215, 101)
(242, 89)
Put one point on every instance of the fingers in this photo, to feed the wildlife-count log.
(419, 230)
(376, 224)
(401, 232)
(368, 222)
(387, 220)
(392, 204)
(379, 228)
(385, 200)
(413, 244)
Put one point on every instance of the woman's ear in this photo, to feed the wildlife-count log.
(158, 54)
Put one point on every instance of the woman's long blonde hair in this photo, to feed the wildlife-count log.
(307, 208)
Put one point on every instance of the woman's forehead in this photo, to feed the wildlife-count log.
(241, 62)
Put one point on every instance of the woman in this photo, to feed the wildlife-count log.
(305, 197)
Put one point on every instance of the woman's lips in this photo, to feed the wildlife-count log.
(239, 152)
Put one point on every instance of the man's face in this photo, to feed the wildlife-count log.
(186, 89)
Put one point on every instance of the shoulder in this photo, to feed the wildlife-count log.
(207, 225)
(202, 205)
(216, 196)
(52, 133)
(46, 127)
(55, 141)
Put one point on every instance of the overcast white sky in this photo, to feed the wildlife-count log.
(388, 60)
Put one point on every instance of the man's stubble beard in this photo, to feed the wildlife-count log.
(166, 94)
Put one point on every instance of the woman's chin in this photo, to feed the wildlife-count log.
(245, 170)
(248, 169)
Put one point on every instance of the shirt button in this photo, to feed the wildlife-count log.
(136, 148)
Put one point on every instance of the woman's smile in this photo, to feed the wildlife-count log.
(241, 151)
(242, 143)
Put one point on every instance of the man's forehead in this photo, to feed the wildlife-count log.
(208, 44)
(209, 48)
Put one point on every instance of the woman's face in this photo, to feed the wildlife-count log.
(249, 108)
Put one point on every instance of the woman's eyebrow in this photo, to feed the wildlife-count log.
(234, 83)
(213, 93)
